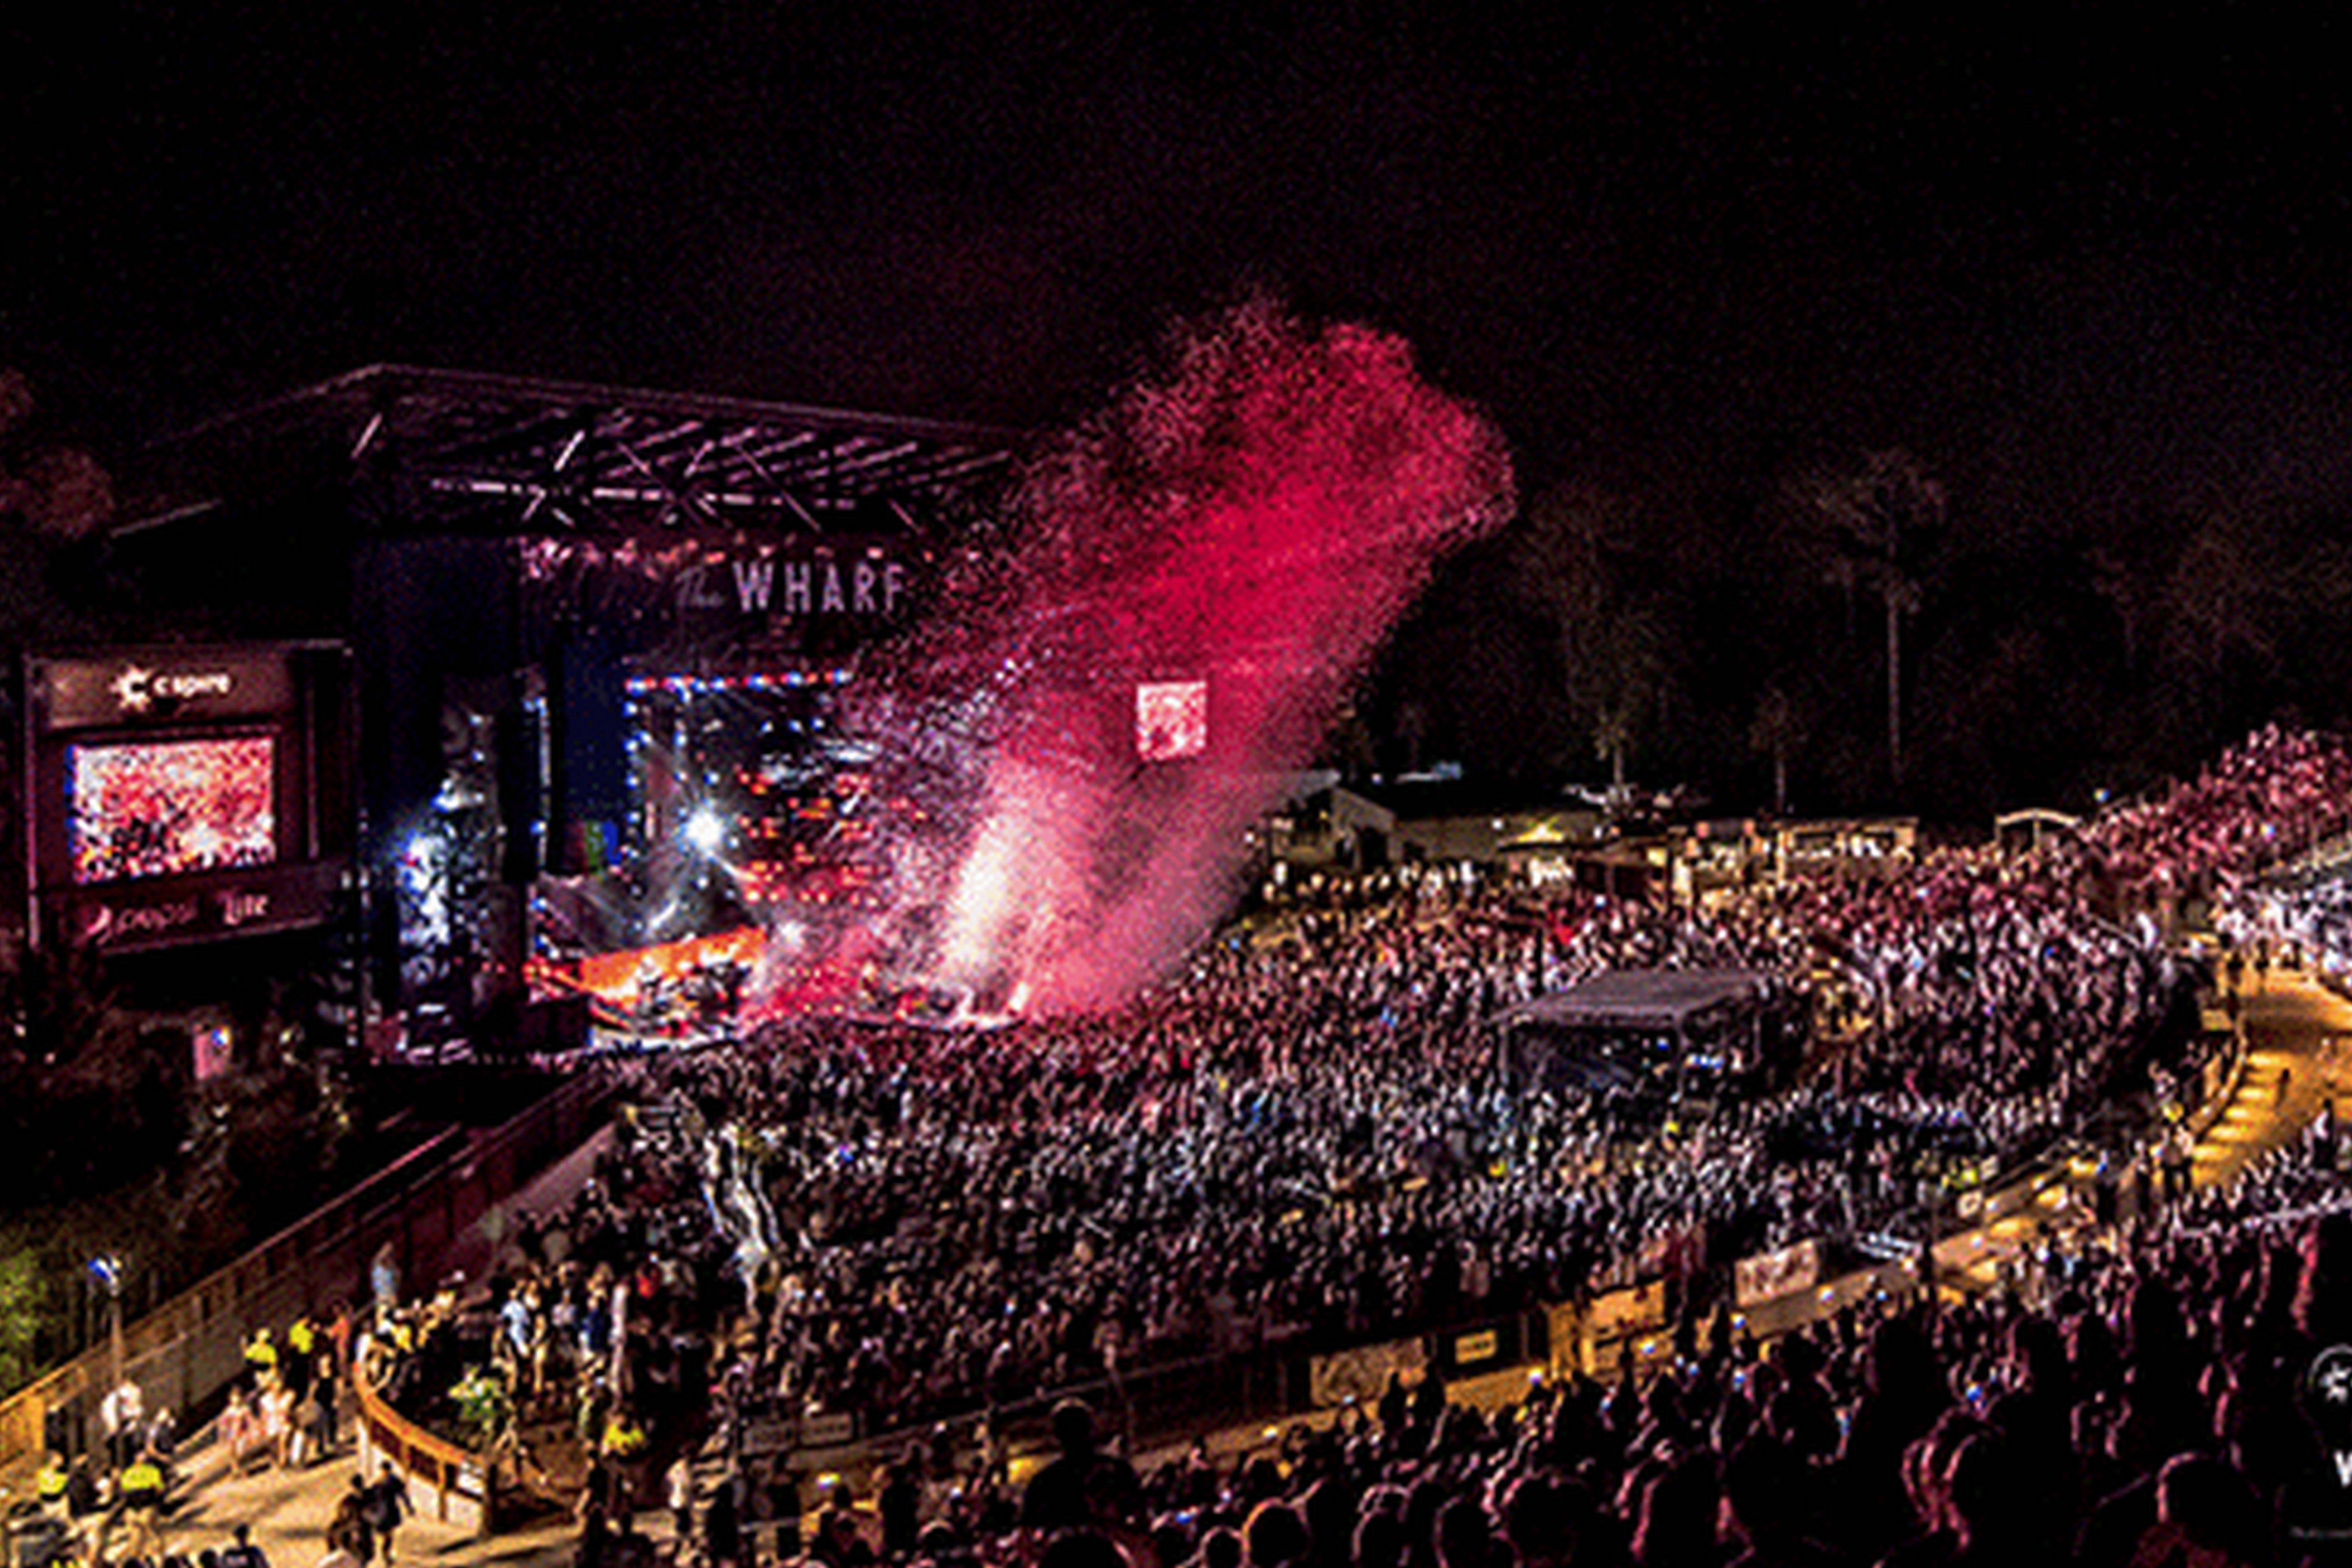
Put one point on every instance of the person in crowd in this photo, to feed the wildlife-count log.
(1067, 1489)
(140, 1492)
(350, 1531)
(386, 1504)
(241, 1552)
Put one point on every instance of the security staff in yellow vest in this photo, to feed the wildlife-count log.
(49, 1486)
(142, 1491)
(260, 1360)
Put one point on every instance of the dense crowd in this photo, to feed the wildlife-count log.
(1311, 1139)
(2276, 794)
(1307, 1143)
(2265, 808)
(2147, 1407)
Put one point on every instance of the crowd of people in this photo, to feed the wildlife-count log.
(2275, 794)
(2148, 1408)
(111, 1503)
(1310, 1138)
(1314, 1140)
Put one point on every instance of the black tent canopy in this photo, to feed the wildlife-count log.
(1648, 1028)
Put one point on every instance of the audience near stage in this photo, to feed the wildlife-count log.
(1312, 1140)
(2148, 1410)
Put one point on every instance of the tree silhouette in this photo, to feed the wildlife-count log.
(1614, 649)
(53, 498)
(1884, 524)
(1777, 730)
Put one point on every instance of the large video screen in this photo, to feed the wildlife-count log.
(1172, 719)
(167, 808)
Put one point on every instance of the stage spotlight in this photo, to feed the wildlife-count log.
(705, 830)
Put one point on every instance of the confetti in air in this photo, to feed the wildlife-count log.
(1190, 586)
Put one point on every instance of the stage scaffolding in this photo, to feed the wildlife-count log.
(503, 554)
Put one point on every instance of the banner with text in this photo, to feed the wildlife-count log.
(1768, 1276)
(1361, 1374)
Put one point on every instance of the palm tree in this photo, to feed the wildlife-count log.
(1882, 523)
(1777, 730)
(1613, 652)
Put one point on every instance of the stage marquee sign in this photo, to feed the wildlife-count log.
(765, 584)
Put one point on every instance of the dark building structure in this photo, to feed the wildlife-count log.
(528, 576)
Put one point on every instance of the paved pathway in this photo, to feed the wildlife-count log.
(2298, 1064)
(290, 1513)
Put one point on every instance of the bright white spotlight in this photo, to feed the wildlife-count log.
(705, 830)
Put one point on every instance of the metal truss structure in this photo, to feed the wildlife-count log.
(424, 452)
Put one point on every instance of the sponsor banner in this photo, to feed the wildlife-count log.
(766, 1436)
(1770, 1274)
(161, 686)
(1362, 1374)
(1635, 1309)
(129, 917)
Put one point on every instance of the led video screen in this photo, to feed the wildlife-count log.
(169, 809)
(1172, 719)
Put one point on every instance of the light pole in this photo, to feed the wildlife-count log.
(107, 1269)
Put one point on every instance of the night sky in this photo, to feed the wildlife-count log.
(2086, 265)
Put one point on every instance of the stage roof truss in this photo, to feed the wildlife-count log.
(451, 452)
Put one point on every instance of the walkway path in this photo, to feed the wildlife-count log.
(289, 1510)
(2298, 1065)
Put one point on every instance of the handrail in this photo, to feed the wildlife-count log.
(20, 1411)
(449, 1470)
(232, 1290)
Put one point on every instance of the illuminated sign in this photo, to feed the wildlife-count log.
(160, 686)
(138, 689)
(175, 792)
(782, 586)
(131, 916)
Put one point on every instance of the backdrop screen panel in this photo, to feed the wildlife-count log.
(170, 808)
(1172, 719)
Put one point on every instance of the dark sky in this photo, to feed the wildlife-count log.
(2087, 261)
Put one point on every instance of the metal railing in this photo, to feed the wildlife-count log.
(185, 1351)
(462, 1485)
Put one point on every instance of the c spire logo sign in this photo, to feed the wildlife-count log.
(138, 689)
